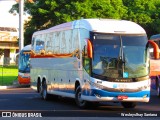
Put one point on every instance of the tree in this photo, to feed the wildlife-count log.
(144, 12)
(47, 13)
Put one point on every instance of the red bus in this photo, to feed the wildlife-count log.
(155, 63)
(24, 66)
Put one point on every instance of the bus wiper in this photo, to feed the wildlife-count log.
(121, 51)
(121, 56)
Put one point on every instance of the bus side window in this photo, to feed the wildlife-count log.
(154, 49)
(151, 51)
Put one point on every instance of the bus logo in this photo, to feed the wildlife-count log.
(115, 86)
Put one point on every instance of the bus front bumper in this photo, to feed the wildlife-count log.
(101, 95)
(103, 99)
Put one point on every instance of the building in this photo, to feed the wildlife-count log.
(8, 44)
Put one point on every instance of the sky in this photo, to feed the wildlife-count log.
(7, 19)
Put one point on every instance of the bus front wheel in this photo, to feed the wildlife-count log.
(128, 104)
(81, 103)
(158, 87)
(158, 91)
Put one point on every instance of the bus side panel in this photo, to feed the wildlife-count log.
(60, 73)
(154, 73)
(24, 78)
(35, 74)
(61, 58)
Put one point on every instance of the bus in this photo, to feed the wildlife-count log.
(24, 66)
(92, 60)
(155, 65)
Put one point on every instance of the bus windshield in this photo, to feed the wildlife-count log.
(120, 56)
(24, 58)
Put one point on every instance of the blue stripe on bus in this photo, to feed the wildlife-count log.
(65, 90)
(103, 93)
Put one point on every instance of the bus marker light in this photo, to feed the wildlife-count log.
(145, 96)
(121, 97)
(97, 95)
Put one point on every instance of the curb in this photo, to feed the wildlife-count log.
(13, 86)
(8, 87)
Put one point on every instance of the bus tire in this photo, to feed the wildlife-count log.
(38, 86)
(128, 104)
(157, 87)
(44, 93)
(158, 91)
(80, 103)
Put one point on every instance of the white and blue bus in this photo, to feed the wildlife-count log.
(92, 60)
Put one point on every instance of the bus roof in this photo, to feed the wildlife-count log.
(155, 37)
(99, 25)
(27, 48)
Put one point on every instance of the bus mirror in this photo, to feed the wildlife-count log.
(155, 49)
(89, 49)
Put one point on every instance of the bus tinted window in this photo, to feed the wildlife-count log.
(115, 55)
(134, 40)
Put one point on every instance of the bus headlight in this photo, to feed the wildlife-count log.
(95, 85)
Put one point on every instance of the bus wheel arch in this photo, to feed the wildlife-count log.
(76, 85)
(78, 92)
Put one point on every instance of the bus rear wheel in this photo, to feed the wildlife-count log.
(128, 104)
(44, 91)
(38, 86)
(81, 103)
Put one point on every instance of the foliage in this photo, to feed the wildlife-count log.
(47, 13)
(144, 12)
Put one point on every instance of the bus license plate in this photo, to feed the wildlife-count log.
(121, 97)
(26, 75)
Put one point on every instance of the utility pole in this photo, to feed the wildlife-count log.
(21, 23)
(21, 20)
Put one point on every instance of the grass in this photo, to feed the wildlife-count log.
(8, 74)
